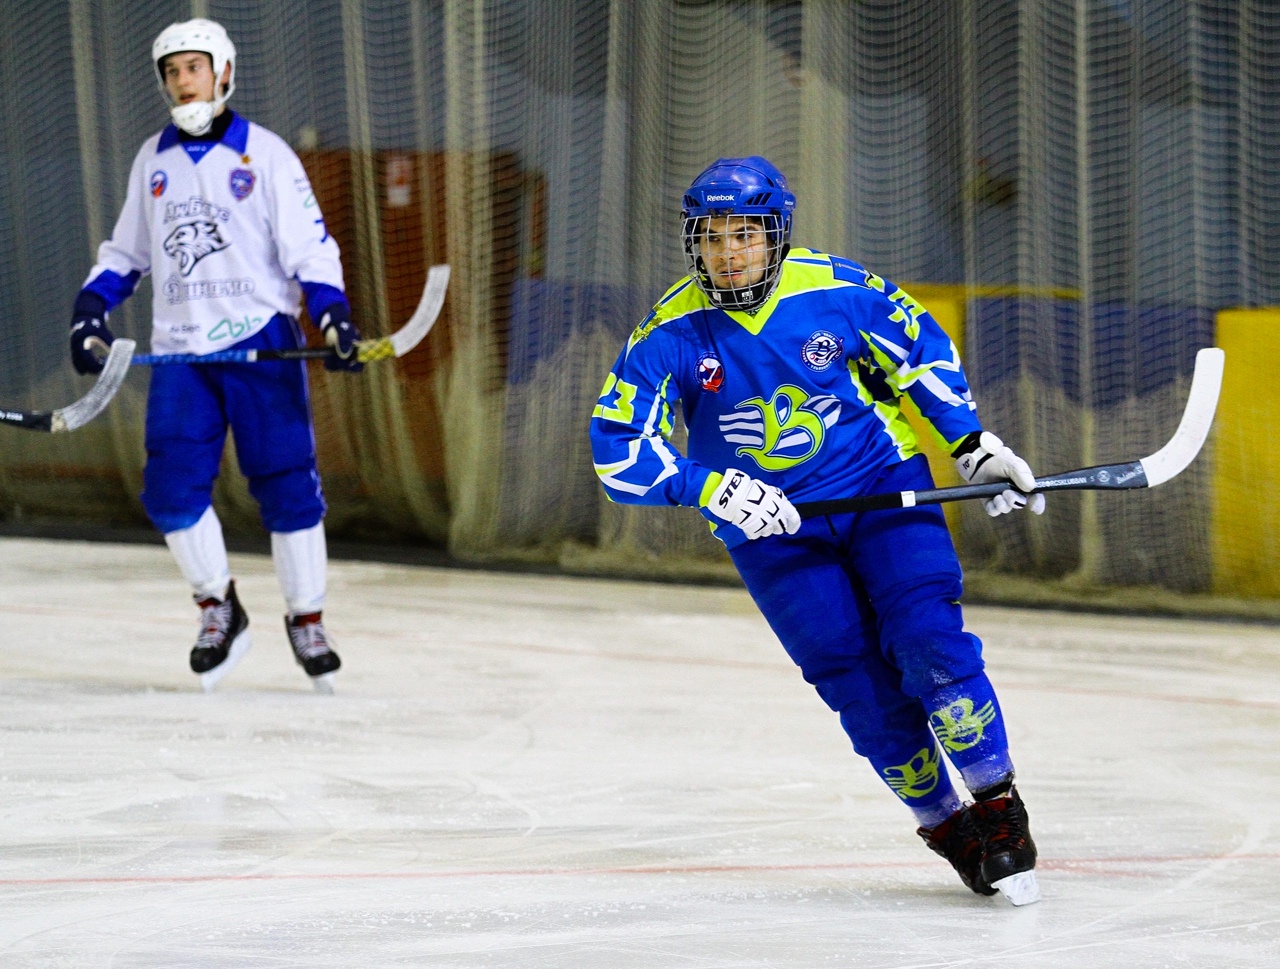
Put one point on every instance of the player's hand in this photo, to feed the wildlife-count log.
(341, 335)
(755, 507)
(983, 459)
(88, 330)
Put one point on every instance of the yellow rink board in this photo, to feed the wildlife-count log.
(946, 304)
(1246, 475)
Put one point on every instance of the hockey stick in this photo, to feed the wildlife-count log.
(367, 351)
(87, 407)
(1156, 469)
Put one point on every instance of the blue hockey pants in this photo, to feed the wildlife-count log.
(868, 606)
(268, 409)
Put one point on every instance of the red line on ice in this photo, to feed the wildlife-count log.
(1063, 864)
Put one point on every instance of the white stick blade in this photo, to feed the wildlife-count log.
(424, 317)
(1193, 429)
(92, 404)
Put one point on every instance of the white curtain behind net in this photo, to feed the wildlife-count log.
(1090, 181)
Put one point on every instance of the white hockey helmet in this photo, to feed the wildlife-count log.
(207, 37)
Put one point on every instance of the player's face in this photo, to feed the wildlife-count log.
(188, 76)
(735, 250)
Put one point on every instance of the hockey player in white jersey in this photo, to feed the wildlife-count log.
(221, 213)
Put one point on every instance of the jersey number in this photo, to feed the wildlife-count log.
(623, 409)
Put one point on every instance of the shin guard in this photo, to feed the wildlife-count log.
(301, 559)
(201, 554)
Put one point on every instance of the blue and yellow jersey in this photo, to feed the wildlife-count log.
(803, 394)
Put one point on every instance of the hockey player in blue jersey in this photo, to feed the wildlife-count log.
(221, 213)
(790, 365)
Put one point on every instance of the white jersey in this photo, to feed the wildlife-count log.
(228, 238)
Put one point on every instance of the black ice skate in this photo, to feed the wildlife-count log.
(312, 649)
(957, 839)
(1008, 853)
(223, 639)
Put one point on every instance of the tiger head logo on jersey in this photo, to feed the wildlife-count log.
(192, 241)
(710, 372)
(784, 431)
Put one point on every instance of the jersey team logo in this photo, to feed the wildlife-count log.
(159, 182)
(241, 183)
(192, 241)
(710, 372)
(784, 431)
(821, 350)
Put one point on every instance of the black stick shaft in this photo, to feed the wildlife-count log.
(34, 420)
(1107, 477)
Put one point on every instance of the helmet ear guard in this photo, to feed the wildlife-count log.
(205, 37)
(750, 188)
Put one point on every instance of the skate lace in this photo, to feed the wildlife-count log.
(961, 842)
(215, 620)
(1007, 825)
(309, 640)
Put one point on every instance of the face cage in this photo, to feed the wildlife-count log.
(776, 230)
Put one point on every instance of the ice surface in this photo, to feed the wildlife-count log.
(526, 771)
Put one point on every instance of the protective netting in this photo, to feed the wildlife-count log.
(1076, 188)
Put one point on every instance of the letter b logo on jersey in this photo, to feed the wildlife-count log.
(784, 431)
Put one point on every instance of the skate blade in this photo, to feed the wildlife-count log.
(323, 683)
(210, 678)
(1020, 889)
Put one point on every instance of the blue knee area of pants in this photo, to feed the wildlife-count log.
(268, 409)
(289, 500)
(922, 634)
(174, 518)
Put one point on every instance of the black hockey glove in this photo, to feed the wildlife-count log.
(341, 335)
(89, 327)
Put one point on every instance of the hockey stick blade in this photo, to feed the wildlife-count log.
(89, 406)
(367, 351)
(1181, 449)
(1155, 469)
(424, 317)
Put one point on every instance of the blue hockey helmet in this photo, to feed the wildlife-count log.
(750, 189)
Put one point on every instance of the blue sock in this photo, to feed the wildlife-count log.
(918, 775)
(966, 717)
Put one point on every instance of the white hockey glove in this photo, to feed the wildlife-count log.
(755, 507)
(986, 460)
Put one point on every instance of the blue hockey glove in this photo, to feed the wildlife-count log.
(88, 327)
(340, 334)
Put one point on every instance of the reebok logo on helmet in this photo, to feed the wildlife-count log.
(721, 198)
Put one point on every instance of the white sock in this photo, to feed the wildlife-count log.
(202, 556)
(301, 559)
